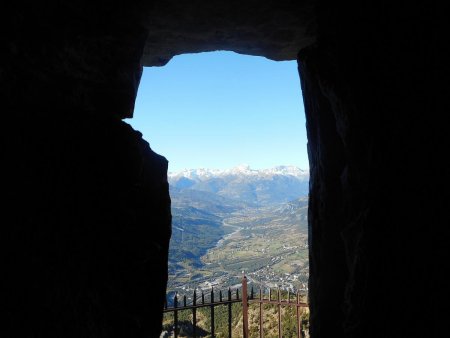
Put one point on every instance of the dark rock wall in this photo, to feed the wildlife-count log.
(328, 270)
(86, 212)
(277, 29)
(87, 242)
(374, 205)
(81, 56)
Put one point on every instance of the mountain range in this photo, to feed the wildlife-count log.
(209, 206)
(242, 184)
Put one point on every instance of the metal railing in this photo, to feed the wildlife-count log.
(199, 302)
(278, 302)
(194, 306)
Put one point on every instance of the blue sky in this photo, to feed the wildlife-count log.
(221, 109)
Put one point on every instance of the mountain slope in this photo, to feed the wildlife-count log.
(239, 219)
(254, 187)
(194, 231)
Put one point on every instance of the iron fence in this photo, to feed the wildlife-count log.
(199, 302)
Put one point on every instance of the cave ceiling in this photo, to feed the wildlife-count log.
(274, 29)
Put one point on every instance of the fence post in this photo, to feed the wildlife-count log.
(279, 312)
(261, 326)
(194, 315)
(229, 313)
(244, 307)
(212, 313)
(299, 319)
(175, 315)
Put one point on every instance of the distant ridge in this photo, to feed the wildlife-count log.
(242, 169)
(253, 186)
(226, 221)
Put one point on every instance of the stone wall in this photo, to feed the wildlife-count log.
(86, 216)
(374, 202)
(86, 219)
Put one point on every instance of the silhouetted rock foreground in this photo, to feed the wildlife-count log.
(86, 212)
(93, 237)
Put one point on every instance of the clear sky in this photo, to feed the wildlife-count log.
(221, 109)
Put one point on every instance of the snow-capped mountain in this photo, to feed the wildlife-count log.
(260, 187)
(243, 169)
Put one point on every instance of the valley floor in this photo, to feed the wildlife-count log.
(268, 244)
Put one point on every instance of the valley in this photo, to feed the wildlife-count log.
(215, 239)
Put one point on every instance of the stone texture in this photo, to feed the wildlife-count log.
(328, 270)
(274, 29)
(81, 56)
(86, 253)
(86, 218)
(371, 244)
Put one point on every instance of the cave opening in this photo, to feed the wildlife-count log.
(87, 199)
(233, 129)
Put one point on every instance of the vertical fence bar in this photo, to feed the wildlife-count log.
(246, 300)
(244, 307)
(194, 315)
(212, 313)
(175, 315)
(261, 328)
(279, 313)
(299, 320)
(229, 313)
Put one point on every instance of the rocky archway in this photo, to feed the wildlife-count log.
(87, 215)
